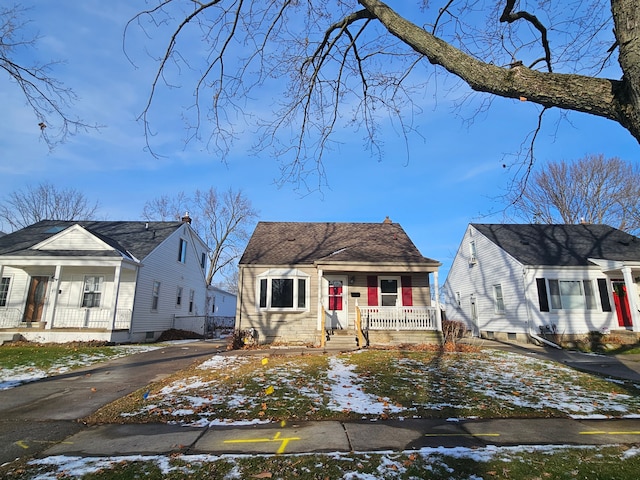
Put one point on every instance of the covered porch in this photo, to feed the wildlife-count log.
(624, 277)
(67, 293)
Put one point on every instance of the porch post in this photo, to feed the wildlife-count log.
(632, 296)
(116, 292)
(320, 309)
(53, 298)
(437, 296)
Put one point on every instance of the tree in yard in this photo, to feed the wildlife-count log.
(592, 189)
(337, 63)
(48, 98)
(45, 202)
(221, 219)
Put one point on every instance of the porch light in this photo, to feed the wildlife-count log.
(352, 279)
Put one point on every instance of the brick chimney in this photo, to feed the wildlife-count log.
(387, 220)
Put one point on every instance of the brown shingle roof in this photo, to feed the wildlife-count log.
(299, 243)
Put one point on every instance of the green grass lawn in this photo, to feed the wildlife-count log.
(426, 384)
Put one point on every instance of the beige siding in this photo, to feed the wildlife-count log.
(302, 327)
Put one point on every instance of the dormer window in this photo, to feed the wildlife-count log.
(472, 252)
(182, 252)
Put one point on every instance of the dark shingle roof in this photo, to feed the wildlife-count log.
(562, 245)
(129, 238)
(299, 243)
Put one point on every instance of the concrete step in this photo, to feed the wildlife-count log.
(9, 337)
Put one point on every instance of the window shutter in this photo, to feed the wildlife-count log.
(543, 300)
(604, 294)
(407, 297)
(372, 290)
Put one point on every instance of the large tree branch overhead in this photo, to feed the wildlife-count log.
(601, 97)
(305, 73)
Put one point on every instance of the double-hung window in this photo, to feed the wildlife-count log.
(4, 290)
(182, 251)
(155, 295)
(389, 292)
(92, 291)
(283, 290)
(498, 299)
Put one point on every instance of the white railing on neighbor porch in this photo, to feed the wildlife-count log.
(399, 318)
(10, 317)
(73, 318)
(92, 318)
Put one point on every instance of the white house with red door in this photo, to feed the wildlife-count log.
(518, 281)
(318, 283)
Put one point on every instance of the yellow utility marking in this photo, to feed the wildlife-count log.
(284, 441)
(461, 434)
(22, 444)
(609, 433)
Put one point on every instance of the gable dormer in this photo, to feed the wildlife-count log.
(72, 238)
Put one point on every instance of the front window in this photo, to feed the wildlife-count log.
(283, 292)
(388, 292)
(4, 290)
(571, 295)
(92, 291)
(191, 296)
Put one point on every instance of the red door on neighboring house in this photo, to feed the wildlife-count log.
(622, 303)
(35, 299)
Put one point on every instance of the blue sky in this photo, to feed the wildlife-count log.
(454, 174)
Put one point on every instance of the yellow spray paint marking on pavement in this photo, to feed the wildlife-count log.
(22, 444)
(284, 441)
(598, 432)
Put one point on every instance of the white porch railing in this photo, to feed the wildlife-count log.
(91, 318)
(10, 317)
(399, 318)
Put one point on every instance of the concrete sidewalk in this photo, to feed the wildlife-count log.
(333, 436)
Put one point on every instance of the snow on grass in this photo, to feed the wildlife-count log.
(386, 464)
(461, 385)
(347, 391)
(13, 377)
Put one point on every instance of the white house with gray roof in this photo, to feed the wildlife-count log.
(64, 281)
(520, 281)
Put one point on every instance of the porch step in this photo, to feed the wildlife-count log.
(343, 340)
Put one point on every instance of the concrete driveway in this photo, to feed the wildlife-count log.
(40, 414)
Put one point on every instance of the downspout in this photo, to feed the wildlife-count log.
(239, 306)
(530, 334)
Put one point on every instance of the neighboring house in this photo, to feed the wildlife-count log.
(221, 307)
(518, 281)
(100, 280)
(309, 283)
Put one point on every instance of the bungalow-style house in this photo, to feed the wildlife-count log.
(311, 283)
(520, 282)
(120, 282)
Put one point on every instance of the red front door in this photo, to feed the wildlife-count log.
(622, 303)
